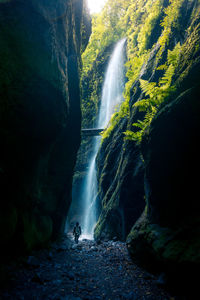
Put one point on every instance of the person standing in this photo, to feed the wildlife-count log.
(76, 232)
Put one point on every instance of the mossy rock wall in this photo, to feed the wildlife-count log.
(171, 185)
(158, 173)
(40, 44)
(121, 170)
(121, 191)
(167, 234)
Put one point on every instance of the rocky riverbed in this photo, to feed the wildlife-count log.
(87, 271)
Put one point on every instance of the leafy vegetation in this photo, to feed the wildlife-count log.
(149, 26)
(105, 31)
(156, 94)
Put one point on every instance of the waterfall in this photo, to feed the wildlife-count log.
(112, 97)
(113, 85)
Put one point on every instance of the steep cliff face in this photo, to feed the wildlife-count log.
(120, 173)
(168, 231)
(39, 116)
(157, 171)
(166, 237)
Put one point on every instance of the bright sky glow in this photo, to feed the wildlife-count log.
(95, 6)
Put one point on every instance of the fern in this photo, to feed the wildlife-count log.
(167, 77)
(174, 55)
(133, 136)
(139, 124)
(142, 105)
(156, 94)
(142, 125)
(162, 67)
(148, 88)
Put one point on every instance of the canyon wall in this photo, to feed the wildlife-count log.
(40, 47)
(149, 187)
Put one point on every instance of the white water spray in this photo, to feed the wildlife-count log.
(111, 99)
(113, 85)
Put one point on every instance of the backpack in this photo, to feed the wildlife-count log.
(77, 230)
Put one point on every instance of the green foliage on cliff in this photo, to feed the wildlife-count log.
(116, 117)
(151, 28)
(137, 21)
(106, 30)
(156, 93)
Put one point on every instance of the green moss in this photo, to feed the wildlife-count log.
(98, 229)
(109, 224)
(161, 238)
(164, 244)
(37, 230)
(174, 250)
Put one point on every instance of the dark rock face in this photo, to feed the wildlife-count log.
(120, 173)
(40, 45)
(166, 236)
(169, 149)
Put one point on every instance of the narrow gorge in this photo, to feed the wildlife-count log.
(99, 115)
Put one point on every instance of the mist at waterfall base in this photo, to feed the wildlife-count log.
(87, 190)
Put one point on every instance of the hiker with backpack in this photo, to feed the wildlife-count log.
(77, 232)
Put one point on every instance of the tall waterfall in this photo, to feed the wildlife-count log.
(111, 99)
(113, 85)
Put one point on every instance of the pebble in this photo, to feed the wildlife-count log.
(94, 248)
(85, 271)
(70, 297)
(131, 296)
(56, 282)
(70, 275)
(33, 262)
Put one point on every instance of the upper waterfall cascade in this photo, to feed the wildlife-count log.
(113, 85)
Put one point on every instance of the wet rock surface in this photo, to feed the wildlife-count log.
(88, 270)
